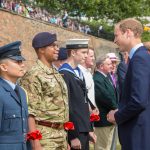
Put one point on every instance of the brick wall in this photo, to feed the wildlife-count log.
(15, 27)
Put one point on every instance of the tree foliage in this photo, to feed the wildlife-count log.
(99, 9)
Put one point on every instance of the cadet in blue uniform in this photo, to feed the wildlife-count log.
(13, 104)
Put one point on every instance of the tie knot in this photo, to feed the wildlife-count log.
(16, 88)
(107, 77)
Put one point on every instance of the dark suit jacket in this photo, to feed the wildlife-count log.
(121, 73)
(105, 98)
(133, 117)
(13, 118)
(78, 105)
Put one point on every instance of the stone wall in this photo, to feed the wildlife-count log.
(15, 27)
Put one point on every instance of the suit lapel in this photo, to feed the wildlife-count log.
(106, 79)
(110, 80)
(14, 95)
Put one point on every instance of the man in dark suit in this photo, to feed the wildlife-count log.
(106, 100)
(134, 108)
(13, 105)
(78, 102)
(121, 72)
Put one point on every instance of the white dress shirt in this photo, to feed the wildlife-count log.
(89, 83)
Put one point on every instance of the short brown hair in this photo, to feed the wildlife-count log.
(132, 24)
(69, 52)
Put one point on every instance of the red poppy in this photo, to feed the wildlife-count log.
(35, 135)
(69, 126)
(94, 117)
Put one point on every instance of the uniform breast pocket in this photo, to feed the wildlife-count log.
(12, 121)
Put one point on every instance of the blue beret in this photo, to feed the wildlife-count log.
(43, 39)
(12, 51)
(62, 53)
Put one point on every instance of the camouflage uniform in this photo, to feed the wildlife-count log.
(48, 101)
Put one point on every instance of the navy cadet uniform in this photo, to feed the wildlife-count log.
(78, 101)
(13, 107)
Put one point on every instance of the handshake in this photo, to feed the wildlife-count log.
(110, 116)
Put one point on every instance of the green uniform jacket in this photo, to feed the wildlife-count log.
(47, 101)
(105, 98)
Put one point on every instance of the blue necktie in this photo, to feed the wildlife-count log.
(17, 91)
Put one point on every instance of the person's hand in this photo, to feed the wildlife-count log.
(36, 145)
(93, 137)
(68, 147)
(75, 143)
(95, 111)
(110, 116)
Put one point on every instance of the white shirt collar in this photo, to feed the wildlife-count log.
(83, 68)
(10, 83)
(102, 73)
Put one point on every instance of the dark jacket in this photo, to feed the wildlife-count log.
(133, 117)
(105, 98)
(78, 105)
(13, 118)
(121, 73)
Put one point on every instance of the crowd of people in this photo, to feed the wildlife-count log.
(61, 104)
(30, 11)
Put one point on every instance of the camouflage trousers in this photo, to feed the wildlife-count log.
(53, 139)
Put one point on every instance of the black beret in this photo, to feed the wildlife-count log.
(62, 53)
(43, 39)
(12, 51)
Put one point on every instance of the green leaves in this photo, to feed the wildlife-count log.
(99, 9)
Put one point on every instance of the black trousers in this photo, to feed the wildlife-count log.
(84, 139)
